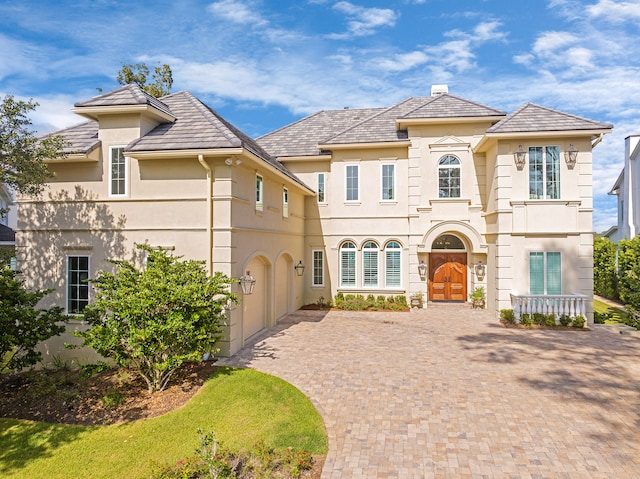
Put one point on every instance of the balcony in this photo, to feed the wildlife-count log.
(557, 304)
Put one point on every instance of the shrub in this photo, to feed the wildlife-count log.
(601, 318)
(339, 301)
(539, 318)
(578, 322)
(508, 315)
(401, 300)
(370, 302)
(525, 319)
(112, 399)
(565, 320)
(550, 319)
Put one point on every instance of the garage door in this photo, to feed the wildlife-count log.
(254, 305)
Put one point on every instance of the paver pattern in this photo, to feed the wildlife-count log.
(449, 392)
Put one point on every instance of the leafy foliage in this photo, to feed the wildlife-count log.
(357, 302)
(22, 325)
(22, 154)
(605, 280)
(138, 74)
(154, 319)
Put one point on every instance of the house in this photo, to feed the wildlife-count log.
(435, 195)
(627, 189)
(7, 225)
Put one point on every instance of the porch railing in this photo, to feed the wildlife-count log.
(558, 304)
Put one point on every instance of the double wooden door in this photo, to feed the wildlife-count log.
(448, 277)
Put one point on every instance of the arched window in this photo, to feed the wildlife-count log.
(392, 254)
(348, 265)
(447, 242)
(370, 265)
(449, 177)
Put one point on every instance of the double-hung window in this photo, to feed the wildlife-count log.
(544, 172)
(449, 177)
(370, 265)
(77, 283)
(545, 272)
(117, 172)
(322, 188)
(318, 268)
(348, 265)
(392, 264)
(352, 183)
(259, 192)
(285, 202)
(388, 176)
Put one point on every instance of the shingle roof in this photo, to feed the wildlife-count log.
(7, 234)
(302, 137)
(451, 106)
(126, 95)
(82, 138)
(532, 118)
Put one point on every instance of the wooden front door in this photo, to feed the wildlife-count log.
(448, 277)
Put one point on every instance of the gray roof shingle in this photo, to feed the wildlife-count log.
(451, 106)
(532, 118)
(126, 95)
(81, 138)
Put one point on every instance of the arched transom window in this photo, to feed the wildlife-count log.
(449, 177)
(370, 265)
(392, 264)
(348, 264)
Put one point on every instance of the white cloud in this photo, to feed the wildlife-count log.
(615, 12)
(236, 12)
(363, 21)
(403, 61)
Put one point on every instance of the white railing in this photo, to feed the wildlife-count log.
(558, 304)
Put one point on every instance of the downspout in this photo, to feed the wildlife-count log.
(207, 168)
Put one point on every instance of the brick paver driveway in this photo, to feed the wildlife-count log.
(449, 392)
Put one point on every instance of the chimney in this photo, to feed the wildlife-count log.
(439, 89)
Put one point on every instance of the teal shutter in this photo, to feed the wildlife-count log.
(536, 273)
(554, 278)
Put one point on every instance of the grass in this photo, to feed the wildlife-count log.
(618, 316)
(240, 405)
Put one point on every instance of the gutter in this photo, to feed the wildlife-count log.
(207, 168)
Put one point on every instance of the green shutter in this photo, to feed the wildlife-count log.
(554, 278)
(536, 273)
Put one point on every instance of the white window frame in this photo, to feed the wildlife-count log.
(545, 271)
(442, 167)
(370, 264)
(321, 188)
(259, 192)
(545, 192)
(112, 149)
(346, 183)
(353, 250)
(388, 250)
(393, 181)
(68, 283)
(317, 265)
(285, 202)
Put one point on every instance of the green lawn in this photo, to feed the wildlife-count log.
(239, 405)
(618, 316)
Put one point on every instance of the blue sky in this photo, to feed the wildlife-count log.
(265, 63)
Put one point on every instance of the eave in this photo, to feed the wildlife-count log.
(402, 123)
(283, 159)
(93, 112)
(489, 138)
(356, 146)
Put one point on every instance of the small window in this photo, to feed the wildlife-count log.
(77, 283)
(348, 265)
(449, 177)
(370, 265)
(545, 275)
(322, 187)
(352, 183)
(285, 202)
(117, 172)
(544, 172)
(388, 182)
(259, 192)
(392, 255)
(318, 268)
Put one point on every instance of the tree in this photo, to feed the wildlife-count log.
(605, 279)
(139, 72)
(22, 154)
(22, 326)
(154, 319)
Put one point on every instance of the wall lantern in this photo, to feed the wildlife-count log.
(480, 270)
(299, 268)
(571, 156)
(520, 157)
(422, 270)
(247, 282)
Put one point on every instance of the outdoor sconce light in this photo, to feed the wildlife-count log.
(520, 157)
(480, 270)
(422, 270)
(571, 156)
(247, 282)
(299, 268)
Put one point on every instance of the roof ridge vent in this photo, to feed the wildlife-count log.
(439, 89)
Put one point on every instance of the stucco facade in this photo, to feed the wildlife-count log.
(364, 198)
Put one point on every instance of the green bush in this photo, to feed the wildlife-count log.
(565, 320)
(605, 280)
(600, 318)
(539, 318)
(578, 322)
(550, 319)
(401, 300)
(508, 315)
(525, 319)
(370, 302)
(112, 399)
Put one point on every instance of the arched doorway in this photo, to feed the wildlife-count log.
(448, 269)
(255, 305)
